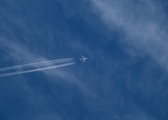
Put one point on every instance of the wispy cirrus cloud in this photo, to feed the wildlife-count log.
(24, 40)
(143, 24)
(143, 31)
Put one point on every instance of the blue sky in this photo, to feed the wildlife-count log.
(124, 78)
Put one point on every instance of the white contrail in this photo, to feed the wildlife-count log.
(37, 63)
(35, 70)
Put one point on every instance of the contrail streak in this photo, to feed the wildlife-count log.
(37, 63)
(35, 70)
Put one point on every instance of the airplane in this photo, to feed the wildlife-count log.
(82, 58)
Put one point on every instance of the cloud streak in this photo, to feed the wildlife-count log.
(143, 28)
(37, 63)
(35, 70)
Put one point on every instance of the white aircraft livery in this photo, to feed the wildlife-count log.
(82, 58)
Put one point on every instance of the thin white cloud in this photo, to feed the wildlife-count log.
(35, 70)
(142, 24)
(143, 32)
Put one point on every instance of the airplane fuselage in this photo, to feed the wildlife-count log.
(83, 58)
